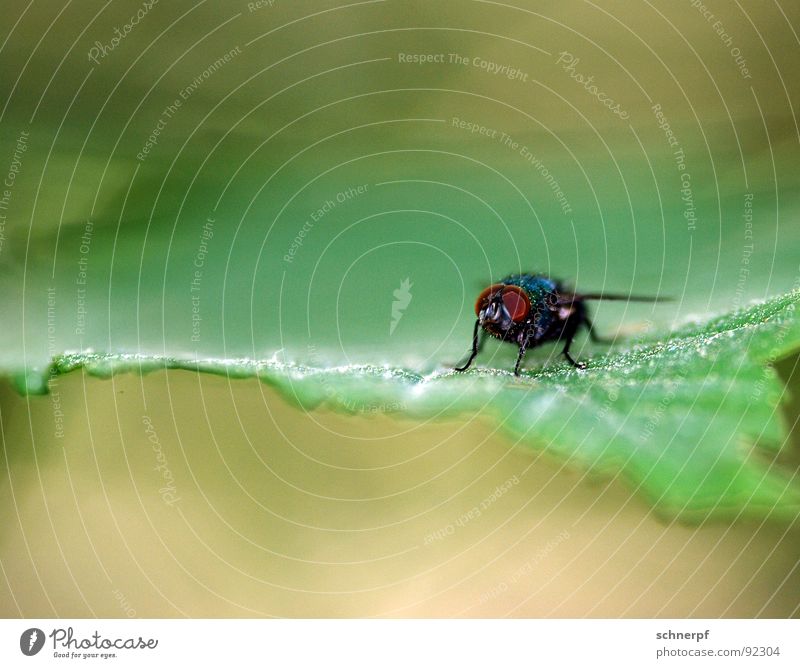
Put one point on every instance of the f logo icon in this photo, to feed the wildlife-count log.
(31, 641)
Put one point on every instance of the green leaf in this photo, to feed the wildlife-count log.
(676, 416)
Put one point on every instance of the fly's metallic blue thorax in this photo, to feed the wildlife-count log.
(538, 287)
(541, 291)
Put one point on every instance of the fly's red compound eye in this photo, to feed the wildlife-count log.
(483, 297)
(514, 299)
(516, 302)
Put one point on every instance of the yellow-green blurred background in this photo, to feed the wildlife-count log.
(271, 118)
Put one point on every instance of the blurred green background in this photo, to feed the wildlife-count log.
(268, 119)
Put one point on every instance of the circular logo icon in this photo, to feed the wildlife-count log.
(31, 641)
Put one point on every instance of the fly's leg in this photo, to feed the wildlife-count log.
(478, 337)
(568, 336)
(522, 348)
(593, 335)
(519, 359)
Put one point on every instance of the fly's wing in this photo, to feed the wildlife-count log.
(567, 297)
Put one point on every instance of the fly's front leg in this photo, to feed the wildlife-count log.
(478, 337)
(523, 346)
